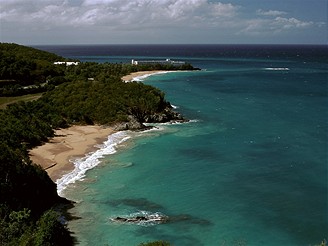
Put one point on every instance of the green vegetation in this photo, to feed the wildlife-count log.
(4, 101)
(18, 229)
(28, 197)
(27, 194)
(104, 102)
(23, 70)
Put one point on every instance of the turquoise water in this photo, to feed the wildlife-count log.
(249, 169)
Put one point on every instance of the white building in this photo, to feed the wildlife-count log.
(66, 63)
(153, 62)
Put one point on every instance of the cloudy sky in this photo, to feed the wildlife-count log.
(163, 21)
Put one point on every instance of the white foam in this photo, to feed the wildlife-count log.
(152, 218)
(91, 160)
(159, 126)
(193, 121)
(277, 68)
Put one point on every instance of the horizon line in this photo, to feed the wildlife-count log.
(191, 44)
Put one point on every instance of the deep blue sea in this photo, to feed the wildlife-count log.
(249, 169)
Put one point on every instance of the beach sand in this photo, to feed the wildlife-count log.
(70, 143)
(130, 77)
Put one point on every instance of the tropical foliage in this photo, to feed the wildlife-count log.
(25, 70)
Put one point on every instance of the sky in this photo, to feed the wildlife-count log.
(42, 22)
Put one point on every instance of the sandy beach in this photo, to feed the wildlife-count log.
(131, 76)
(69, 143)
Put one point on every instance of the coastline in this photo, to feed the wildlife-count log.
(70, 143)
(57, 157)
(144, 74)
(76, 149)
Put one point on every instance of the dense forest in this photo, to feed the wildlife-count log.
(89, 93)
(24, 69)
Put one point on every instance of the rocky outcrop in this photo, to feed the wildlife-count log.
(132, 124)
(168, 115)
(138, 219)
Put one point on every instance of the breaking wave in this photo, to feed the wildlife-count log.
(91, 160)
(143, 77)
(277, 68)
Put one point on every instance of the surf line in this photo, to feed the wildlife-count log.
(91, 160)
(277, 68)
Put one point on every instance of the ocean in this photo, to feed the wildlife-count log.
(250, 168)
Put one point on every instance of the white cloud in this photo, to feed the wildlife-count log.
(189, 20)
(273, 25)
(223, 10)
(96, 2)
(289, 23)
(115, 12)
(270, 12)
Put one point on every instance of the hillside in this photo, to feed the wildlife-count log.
(21, 67)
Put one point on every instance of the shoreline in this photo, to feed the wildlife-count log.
(77, 143)
(56, 156)
(137, 76)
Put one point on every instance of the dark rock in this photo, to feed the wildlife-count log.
(137, 219)
(132, 124)
(167, 115)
